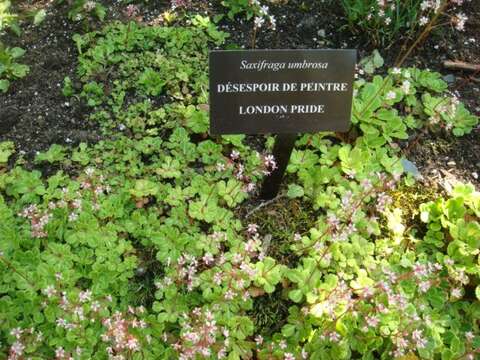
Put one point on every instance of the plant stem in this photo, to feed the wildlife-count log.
(128, 33)
(11, 267)
(401, 59)
(426, 31)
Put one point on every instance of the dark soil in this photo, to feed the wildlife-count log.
(35, 114)
(445, 159)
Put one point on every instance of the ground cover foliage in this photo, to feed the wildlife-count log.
(152, 245)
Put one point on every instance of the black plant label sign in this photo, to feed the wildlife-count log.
(281, 91)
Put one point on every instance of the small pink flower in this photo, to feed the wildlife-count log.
(372, 321)
(237, 258)
(240, 283)
(17, 349)
(250, 187)
(133, 344)
(368, 291)
(85, 296)
(234, 155)
(333, 221)
(220, 167)
(424, 286)
(469, 336)
(222, 353)
(131, 11)
(16, 332)
(95, 306)
(401, 343)
(459, 20)
(252, 228)
(62, 322)
(208, 259)
(420, 270)
(60, 353)
(251, 246)
(269, 162)
(248, 269)
(217, 278)
(49, 291)
(178, 3)
(456, 293)
(334, 336)
(229, 295)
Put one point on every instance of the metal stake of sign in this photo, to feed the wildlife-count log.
(282, 150)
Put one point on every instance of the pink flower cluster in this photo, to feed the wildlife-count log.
(90, 187)
(38, 220)
(89, 6)
(131, 11)
(253, 246)
(76, 309)
(200, 336)
(342, 229)
(331, 336)
(384, 6)
(22, 337)
(429, 7)
(411, 337)
(234, 162)
(118, 334)
(188, 268)
(80, 309)
(174, 4)
(383, 297)
(448, 107)
(406, 341)
(269, 163)
(263, 14)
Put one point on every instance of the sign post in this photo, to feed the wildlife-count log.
(282, 150)
(283, 92)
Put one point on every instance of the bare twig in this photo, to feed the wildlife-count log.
(263, 204)
(460, 65)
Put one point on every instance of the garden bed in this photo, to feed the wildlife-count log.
(35, 114)
(129, 232)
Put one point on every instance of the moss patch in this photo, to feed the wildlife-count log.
(278, 222)
(409, 199)
(270, 313)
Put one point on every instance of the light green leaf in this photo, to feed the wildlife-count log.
(4, 85)
(7, 148)
(39, 16)
(295, 295)
(295, 191)
(17, 52)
